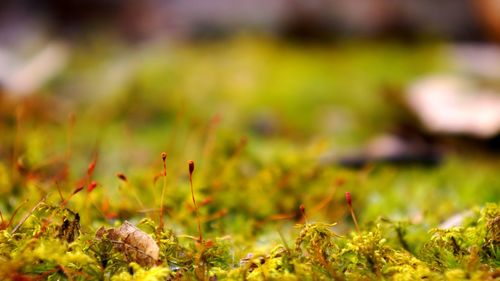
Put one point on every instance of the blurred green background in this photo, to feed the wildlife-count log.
(263, 107)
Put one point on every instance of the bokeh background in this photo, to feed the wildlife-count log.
(279, 103)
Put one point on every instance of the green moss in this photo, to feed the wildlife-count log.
(258, 117)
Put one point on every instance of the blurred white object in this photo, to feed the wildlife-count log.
(454, 105)
(456, 220)
(385, 145)
(24, 77)
(481, 60)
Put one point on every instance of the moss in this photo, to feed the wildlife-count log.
(259, 117)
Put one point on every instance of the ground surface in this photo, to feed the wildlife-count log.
(258, 117)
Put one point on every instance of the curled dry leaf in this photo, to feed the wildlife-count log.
(134, 243)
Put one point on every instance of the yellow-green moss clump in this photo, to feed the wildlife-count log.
(52, 245)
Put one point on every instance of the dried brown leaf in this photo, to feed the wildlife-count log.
(134, 243)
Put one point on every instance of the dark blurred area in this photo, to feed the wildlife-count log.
(462, 20)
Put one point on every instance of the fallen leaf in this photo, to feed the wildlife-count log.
(134, 243)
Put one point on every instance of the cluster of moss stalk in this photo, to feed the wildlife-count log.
(49, 243)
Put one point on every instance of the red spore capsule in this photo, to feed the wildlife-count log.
(91, 186)
(348, 198)
(191, 166)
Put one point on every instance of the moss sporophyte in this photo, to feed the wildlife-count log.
(53, 241)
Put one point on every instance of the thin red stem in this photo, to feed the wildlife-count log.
(354, 218)
(164, 158)
(191, 169)
(351, 209)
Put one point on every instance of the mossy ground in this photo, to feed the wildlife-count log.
(257, 117)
